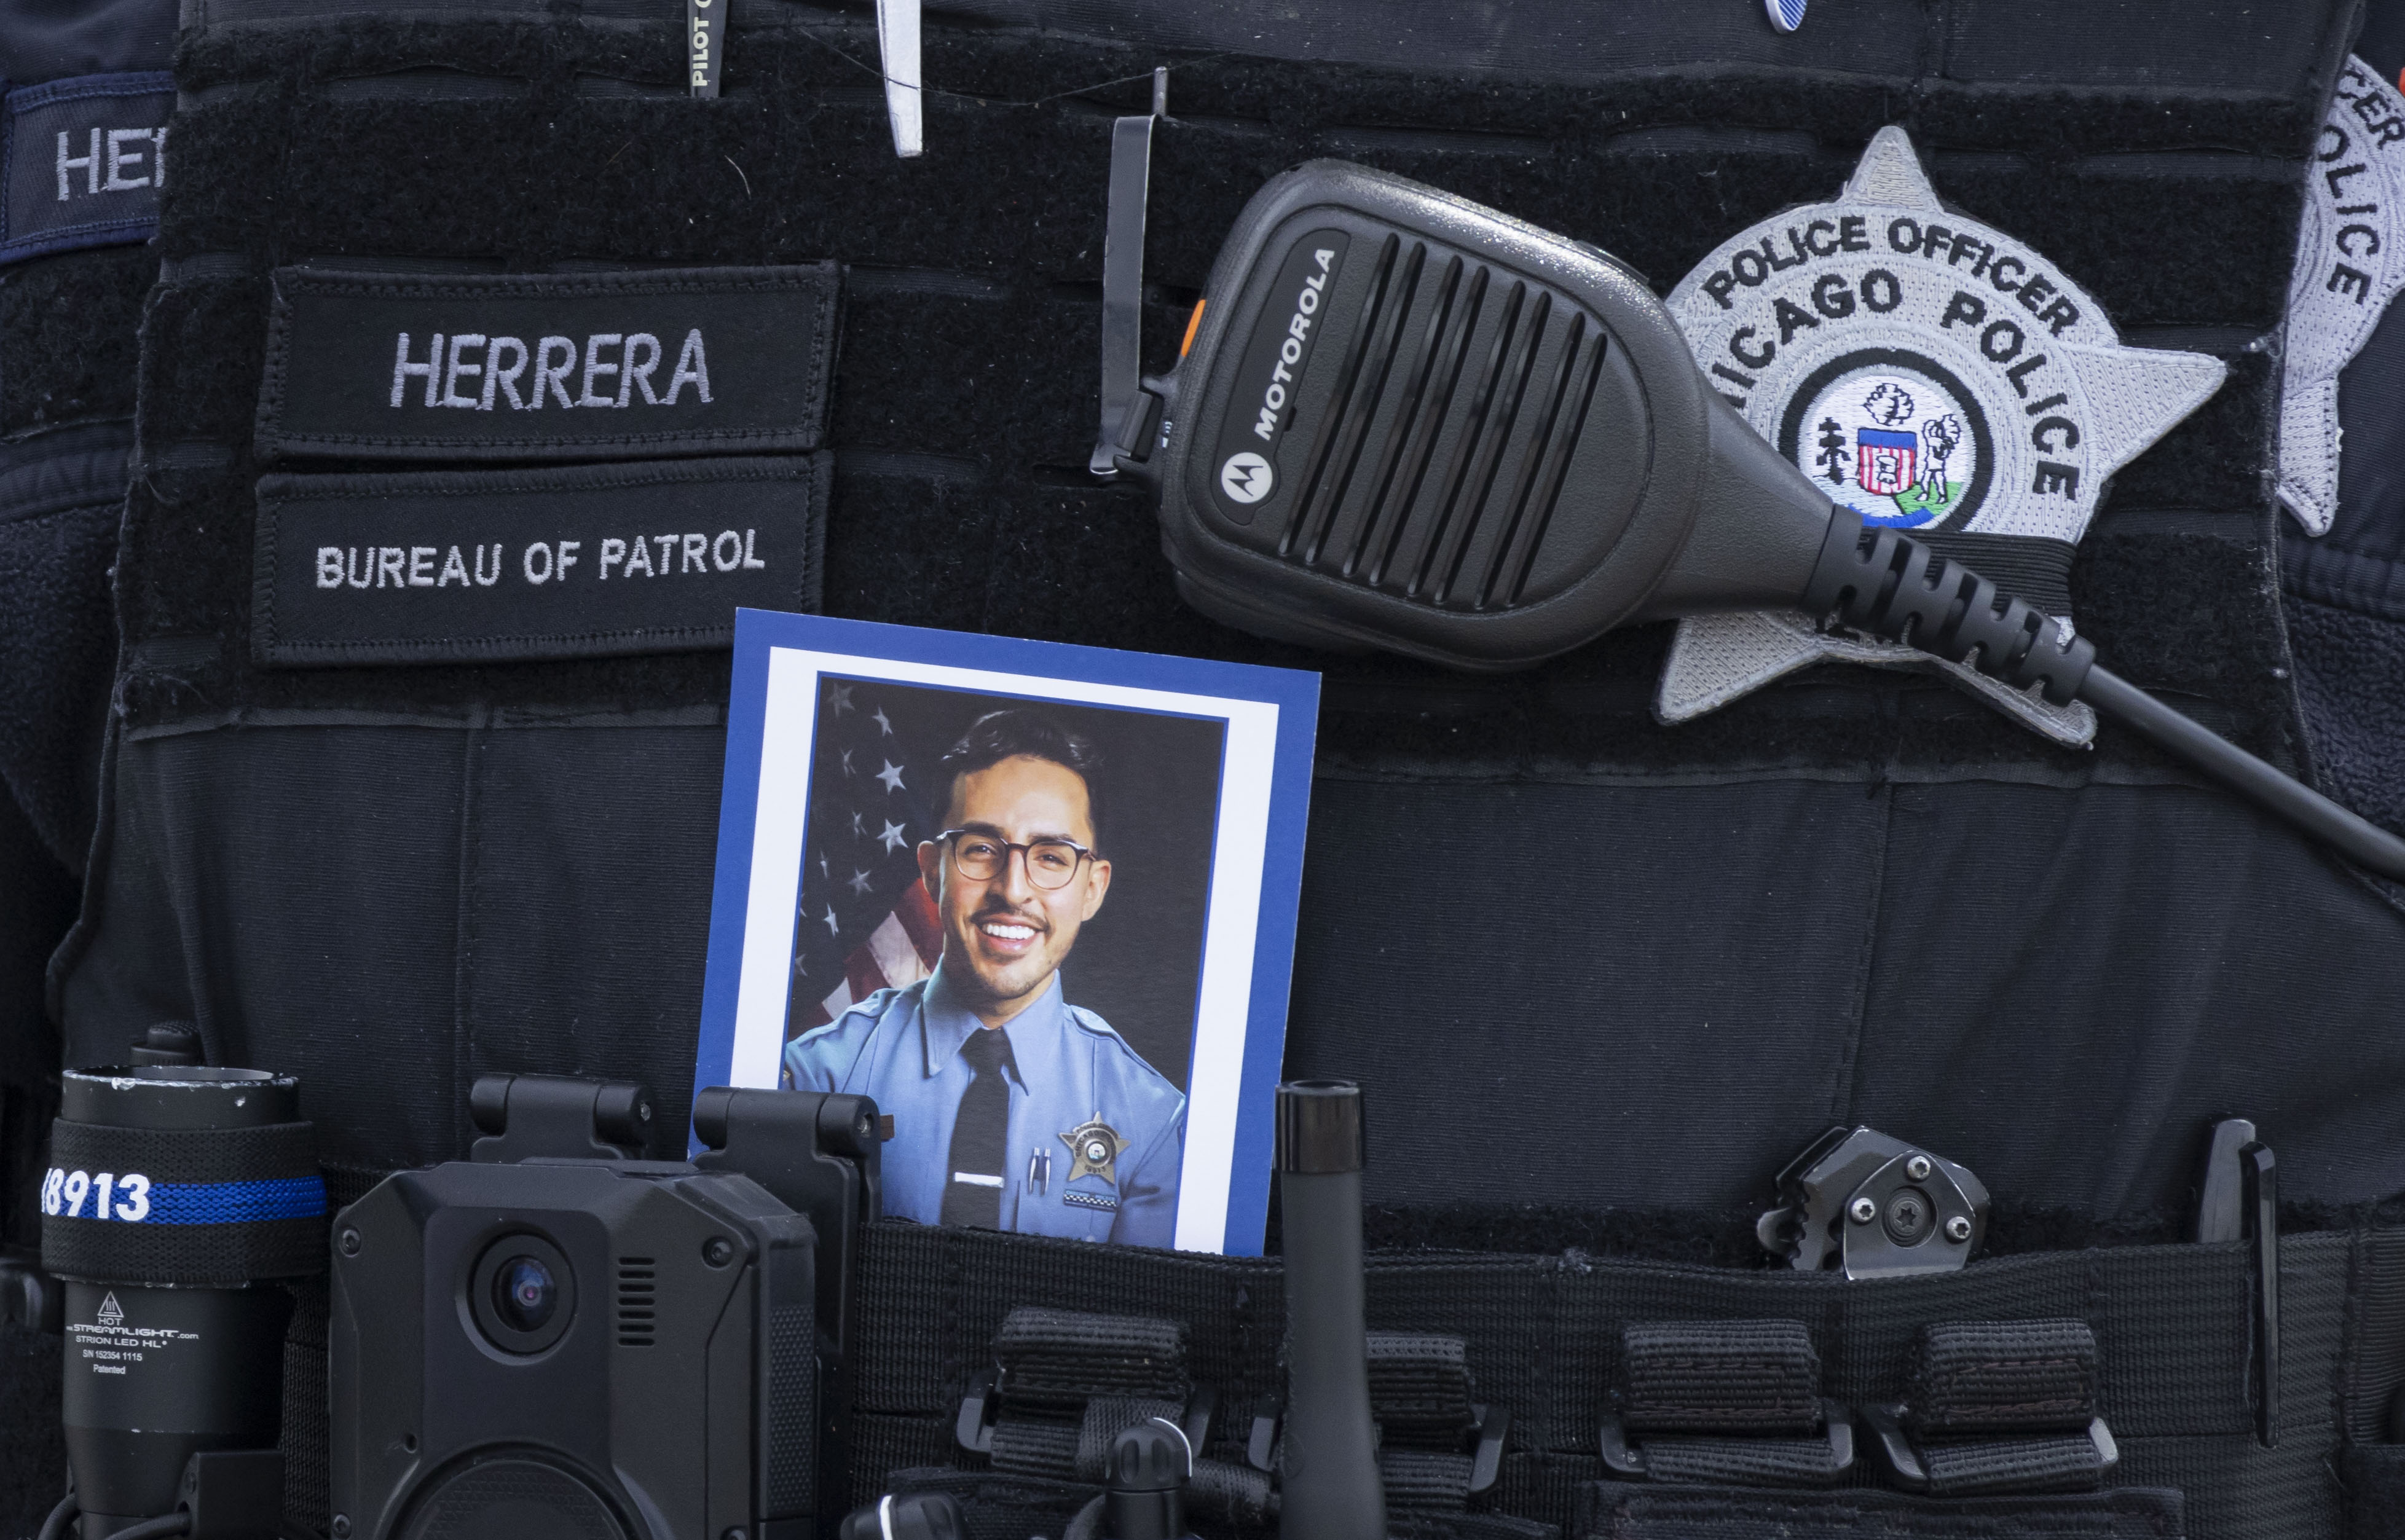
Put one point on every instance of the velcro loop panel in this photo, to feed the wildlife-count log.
(2003, 1377)
(1420, 1388)
(1757, 1377)
(1641, 1511)
(1064, 1358)
(191, 1207)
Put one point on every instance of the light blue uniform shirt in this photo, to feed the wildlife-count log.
(903, 1049)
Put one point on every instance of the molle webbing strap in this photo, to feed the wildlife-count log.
(2003, 1376)
(2171, 1324)
(1072, 1382)
(1752, 1388)
(1420, 1393)
(1064, 1358)
(1608, 1511)
(1991, 1380)
(1757, 1377)
(1420, 1386)
(1973, 1468)
(200, 1208)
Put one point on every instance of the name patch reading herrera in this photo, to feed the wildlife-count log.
(85, 161)
(547, 366)
(494, 566)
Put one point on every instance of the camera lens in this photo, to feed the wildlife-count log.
(524, 1294)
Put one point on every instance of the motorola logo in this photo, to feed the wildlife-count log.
(1246, 477)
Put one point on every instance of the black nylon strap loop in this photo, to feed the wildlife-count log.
(1420, 1388)
(1758, 1377)
(1064, 1358)
(186, 1255)
(2003, 1376)
(1424, 1480)
(1743, 1462)
(188, 1155)
(1109, 1416)
(1973, 1469)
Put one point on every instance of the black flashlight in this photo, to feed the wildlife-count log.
(178, 1198)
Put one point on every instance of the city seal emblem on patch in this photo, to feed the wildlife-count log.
(1934, 374)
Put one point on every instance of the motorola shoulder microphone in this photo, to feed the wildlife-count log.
(1402, 422)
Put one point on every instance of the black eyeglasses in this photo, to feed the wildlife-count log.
(981, 856)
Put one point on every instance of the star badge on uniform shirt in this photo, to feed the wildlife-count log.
(1935, 375)
(1096, 1147)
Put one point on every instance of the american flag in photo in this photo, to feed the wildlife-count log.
(866, 921)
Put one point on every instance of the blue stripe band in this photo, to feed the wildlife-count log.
(237, 1202)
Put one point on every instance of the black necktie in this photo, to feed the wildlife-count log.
(980, 1135)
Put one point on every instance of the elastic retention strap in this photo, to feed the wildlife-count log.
(1422, 1395)
(1064, 1358)
(191, 1207)
(1743, 1377)
(2003, 1376)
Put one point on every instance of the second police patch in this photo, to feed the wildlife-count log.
(1934, 374)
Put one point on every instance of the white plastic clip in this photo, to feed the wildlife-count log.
(897, 52)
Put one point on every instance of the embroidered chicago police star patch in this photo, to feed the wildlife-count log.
(2350, 260)
(1096, 1146)
(1935, 375)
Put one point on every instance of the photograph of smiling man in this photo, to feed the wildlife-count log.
(1012, 1107)
(1036, 902)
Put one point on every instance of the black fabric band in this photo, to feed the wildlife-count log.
(1063, 1358)
(1973, 1467)
(2003, 1376)
(1622, 1511)
(205, 1207)
(1420, 1388)
(1757, 1377)
(188, 1155)
(1742, 1462)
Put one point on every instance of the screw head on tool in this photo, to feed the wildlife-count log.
(1918, 1167)
(1862, 1210)
(1958, 1229)
(718, 1251)
(350, 1242)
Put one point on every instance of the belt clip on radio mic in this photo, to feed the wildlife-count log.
(1328, 1478)
(180, 1197)
(1401, 422)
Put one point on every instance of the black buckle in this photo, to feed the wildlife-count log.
(1624, 1458)
(1489, 1426)
(972, 1430)
(981, 1407)
(1904, 1465)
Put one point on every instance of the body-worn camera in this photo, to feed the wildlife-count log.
(581, 1346)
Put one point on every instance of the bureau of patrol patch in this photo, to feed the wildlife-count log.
(1934, 374)
(2350, 260)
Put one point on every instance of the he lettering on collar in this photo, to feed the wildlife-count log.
(84, 162)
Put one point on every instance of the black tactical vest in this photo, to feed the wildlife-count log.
(1601, 976)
